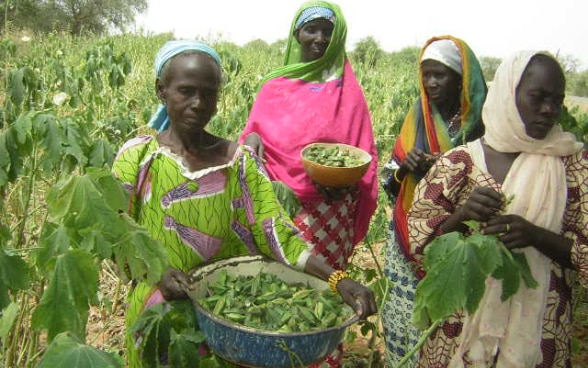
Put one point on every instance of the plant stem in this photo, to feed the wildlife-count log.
(420, 343)
(375, 258)
(27, 197)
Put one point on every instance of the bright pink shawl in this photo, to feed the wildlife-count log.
(290, 113)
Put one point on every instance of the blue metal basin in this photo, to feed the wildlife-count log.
(257, 348)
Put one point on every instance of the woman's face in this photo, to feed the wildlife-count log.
(442, 84)
(189, 88)
(314, 38)
(540, 95)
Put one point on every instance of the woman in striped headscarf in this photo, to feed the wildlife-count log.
(447, 113)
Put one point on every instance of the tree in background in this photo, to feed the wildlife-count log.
(489, 65)
(367, 51)
(407, 56)
(576, 80)
(73, 16)
(578, 84)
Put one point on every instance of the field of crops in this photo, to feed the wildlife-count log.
(66, 107)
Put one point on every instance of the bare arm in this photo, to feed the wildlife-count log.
(359, 297)
(483, 204)
(516, 232)
(254, 141)
(417, 162)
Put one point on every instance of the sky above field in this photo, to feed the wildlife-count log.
(491, 28)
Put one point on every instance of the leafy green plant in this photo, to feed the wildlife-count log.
(67, 350)
(65, 213)
(170, 330)
(457, 267)
(575, 122)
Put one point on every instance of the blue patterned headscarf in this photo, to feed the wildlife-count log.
(160, 120)
(314, 12)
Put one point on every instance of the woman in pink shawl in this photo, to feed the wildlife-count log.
(315, 97)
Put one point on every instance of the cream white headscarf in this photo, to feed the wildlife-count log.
(446, 52)
(537, 179)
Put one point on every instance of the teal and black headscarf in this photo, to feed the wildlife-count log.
(160, 120)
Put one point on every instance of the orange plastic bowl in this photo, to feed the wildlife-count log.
(336, 177)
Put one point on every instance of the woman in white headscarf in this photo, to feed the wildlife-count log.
(526, 156)
(447, 113)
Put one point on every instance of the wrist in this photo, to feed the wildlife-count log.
(454, 222)
(334, 278)
(537, 234)
(399, 175)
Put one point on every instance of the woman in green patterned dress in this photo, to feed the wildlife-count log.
(202, 196)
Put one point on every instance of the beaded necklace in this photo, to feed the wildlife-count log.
(453, 124)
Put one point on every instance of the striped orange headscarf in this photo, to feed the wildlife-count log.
(424, 128)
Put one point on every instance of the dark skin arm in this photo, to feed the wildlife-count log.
(522, 233)
(174, 284)
(417, 162)
(254, 141)
(334, 194)
(359, 297)
(485, 204)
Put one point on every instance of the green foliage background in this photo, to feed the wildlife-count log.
(67, 105)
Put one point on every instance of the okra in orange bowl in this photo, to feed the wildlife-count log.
(335, 165)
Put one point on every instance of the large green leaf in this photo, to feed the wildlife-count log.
(169, 329)
(52, 139)
(524, 269)
(4, 159)
(457, 267)
(73, 137)
(67, 350)
(11, 161)
(23, 129)
(145, 257)
(79, 202)
(117, 197)
(4, 149)
(183, 350)
(489, 249)
(90, 209)
(5, 234)
(13, 276)
(16, 86)
(9, 315)
(420, 312)
(439, 249)
(442, 290)
(95, 240)
(513, 269)
(65, 303)
(101, 154)
(154, 329)
(55, 240)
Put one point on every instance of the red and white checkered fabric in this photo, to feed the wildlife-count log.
(329, 228)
